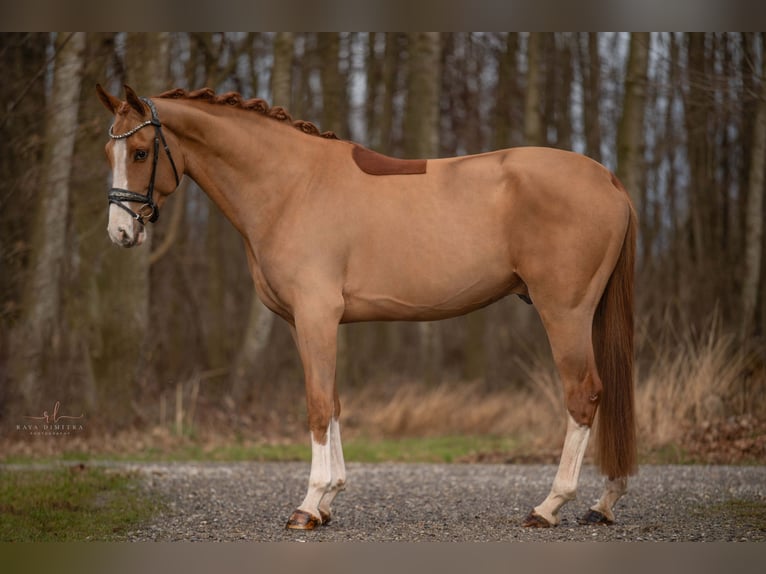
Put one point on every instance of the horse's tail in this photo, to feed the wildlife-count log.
(613, 346)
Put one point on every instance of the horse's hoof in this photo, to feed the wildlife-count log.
(534, 520)
(325, 517)
(302, 520)
(595, 517)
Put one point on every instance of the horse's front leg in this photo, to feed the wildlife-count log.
(315, 334)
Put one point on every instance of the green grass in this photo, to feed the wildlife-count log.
(748, 514)
(422, 449)
(69, 504)
(670, 453)
(431, 449)
(72, 502)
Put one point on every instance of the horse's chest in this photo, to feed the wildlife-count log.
(267, 291)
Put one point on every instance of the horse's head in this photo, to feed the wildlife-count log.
(144, 170)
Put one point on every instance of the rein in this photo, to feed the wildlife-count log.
(118, 196)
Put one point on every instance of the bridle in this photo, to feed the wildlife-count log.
(117, 196)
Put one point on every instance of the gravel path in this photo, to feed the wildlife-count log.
(432, 502)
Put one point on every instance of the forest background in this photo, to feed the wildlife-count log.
(168, 341)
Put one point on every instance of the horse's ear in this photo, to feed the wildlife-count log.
(135, 102)
(110, 102)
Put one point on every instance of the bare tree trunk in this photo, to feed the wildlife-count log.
(463, 50)
(533, 124)
(754, 213)
(22, 125)
(122, 368)
(424, 83)
(421, 131)
(260, 319)
(84, 305)
(520, 314)
(630, 132)
(373, 75)
(282, 71)
(696, 112)
(211, 47)
(333, 119)
(174, 222)
(248, 358)
(40, 338)
(390, 66)
(590, 68)
(677, 246)
(387, 335)
(507, 70)
(333, 87)
(563, 78)
(214, 319)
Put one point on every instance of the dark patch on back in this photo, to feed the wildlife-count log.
(374, 163)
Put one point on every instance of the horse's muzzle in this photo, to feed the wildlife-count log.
(124, 230)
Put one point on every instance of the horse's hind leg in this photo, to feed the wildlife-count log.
(564, 486)
(570, 337)
(601, 512)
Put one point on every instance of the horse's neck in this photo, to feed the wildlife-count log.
(241, 160)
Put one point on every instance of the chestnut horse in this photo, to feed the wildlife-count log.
(336, 233)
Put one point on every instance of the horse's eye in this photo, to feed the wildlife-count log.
(140, 155)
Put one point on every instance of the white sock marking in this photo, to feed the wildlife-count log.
(328, 472)
(565, 484)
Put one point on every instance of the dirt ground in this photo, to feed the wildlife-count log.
(451, 502)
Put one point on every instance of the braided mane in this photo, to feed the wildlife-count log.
(259, 105)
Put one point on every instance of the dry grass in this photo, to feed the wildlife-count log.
(533, 415)
(704, 392)
(457, 408)
(698, 380)
(701, 393)
(699, 396)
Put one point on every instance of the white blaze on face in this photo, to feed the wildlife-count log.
(120, 174)
(123, 229)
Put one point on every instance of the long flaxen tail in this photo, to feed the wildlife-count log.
(613, 346)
